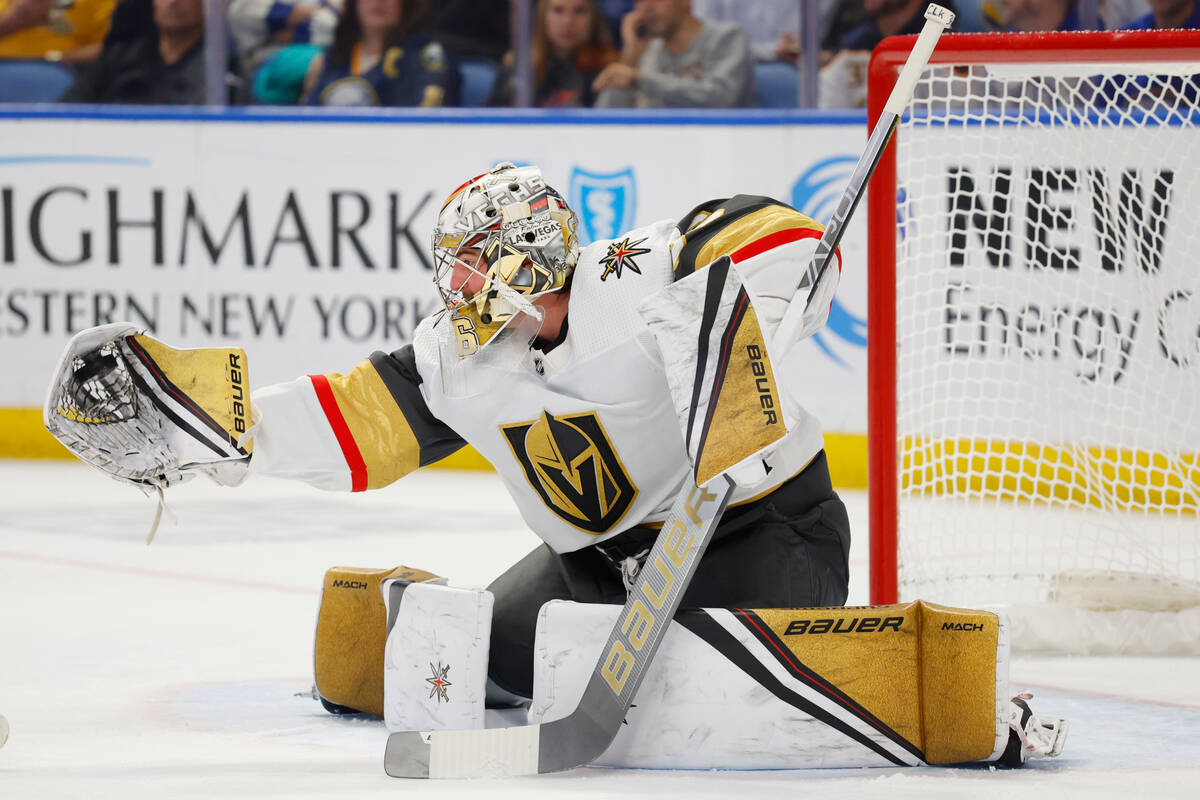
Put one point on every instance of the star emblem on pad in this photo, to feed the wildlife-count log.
(439, 682)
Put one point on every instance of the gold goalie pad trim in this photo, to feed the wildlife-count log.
(745, 413)
(211, 382)
(925, 675)
(351, 632)
(719, 371)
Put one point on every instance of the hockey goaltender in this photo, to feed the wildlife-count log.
(576, 373)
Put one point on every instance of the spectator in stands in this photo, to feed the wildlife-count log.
(471, 29)
(888, 18)
(845, 16)
(613, 11)
(843, 82)
(571, 45)
(669, 58)
(155, 56)
(1030, 16)
(1114, 14)
(70, 31)
(262, 27)
(18, 15)
(772, 25)
(379, 59)
(131, 19)
(280, 77)
(1117, 14)
(1169, 14)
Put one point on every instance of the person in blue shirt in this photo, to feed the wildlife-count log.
(888, 18)
(1168, 14)
(379, 59)
(1182, 91)
(1027, 16)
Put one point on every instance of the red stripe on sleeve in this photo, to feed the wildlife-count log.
(354, 459)
(776, 239)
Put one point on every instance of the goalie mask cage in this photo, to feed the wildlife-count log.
(1034, 334)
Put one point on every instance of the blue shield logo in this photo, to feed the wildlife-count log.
(605, 203)
(816, 193)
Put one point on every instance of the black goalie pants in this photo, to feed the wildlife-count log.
(788, 549)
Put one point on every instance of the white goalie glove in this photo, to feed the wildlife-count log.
(149, 414)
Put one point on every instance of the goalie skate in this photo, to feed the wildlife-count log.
(1031, 736)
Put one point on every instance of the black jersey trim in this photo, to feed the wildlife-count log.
(712, 302)
(740, 304)
(435, 439)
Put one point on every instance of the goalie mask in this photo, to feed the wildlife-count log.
(502, 239)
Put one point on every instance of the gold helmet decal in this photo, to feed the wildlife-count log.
(571, 464)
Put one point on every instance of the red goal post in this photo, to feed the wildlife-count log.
(971, 55)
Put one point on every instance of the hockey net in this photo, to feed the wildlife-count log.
(1035, 336)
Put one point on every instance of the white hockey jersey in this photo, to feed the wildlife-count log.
(585, 436)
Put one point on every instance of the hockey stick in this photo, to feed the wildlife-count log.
(937, 19)
(587, 731)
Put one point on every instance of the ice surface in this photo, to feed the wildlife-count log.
(181, 669)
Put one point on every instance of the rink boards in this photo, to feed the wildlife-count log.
(305, 238)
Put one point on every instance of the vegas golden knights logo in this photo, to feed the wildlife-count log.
(573, 467)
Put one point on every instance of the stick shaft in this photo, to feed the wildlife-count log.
(937, 19)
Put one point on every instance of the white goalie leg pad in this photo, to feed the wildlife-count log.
(436, 656)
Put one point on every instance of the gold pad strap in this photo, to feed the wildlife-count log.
(926, 673)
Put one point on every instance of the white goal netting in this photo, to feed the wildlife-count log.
(1048, 336)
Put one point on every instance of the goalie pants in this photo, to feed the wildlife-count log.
(788, 549)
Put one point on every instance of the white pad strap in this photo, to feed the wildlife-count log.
(436, 656)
